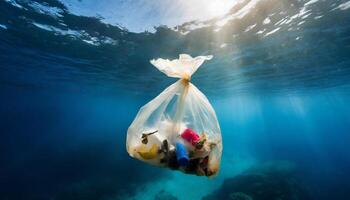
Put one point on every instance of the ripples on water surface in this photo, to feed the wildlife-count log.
(71, 83)
(258, 46)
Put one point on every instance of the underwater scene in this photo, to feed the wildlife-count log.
(75, 73)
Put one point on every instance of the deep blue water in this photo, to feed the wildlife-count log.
(71, 85)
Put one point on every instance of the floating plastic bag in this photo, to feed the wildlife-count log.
(178, 129)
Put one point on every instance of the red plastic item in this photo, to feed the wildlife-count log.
(190, 136)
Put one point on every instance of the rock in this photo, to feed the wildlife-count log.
(267, 181)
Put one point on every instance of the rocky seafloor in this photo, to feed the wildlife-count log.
(267, 181)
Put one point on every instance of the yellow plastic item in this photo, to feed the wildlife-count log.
(148, 154)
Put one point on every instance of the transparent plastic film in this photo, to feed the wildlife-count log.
(178, 129)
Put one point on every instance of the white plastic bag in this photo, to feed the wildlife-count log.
(179, 128)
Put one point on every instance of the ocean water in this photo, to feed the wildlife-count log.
(71, 82)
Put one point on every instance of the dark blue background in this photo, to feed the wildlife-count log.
(72, 146)
(66, 102)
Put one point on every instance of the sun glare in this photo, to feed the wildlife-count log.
(217, 8)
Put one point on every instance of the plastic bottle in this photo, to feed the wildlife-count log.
(181, 154)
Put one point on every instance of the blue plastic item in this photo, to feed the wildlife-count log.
(181, 154)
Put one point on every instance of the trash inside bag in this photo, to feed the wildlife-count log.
(178, 129)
